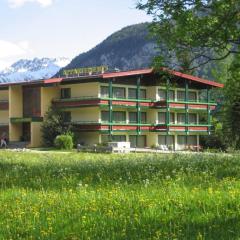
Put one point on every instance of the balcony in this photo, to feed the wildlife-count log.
(114, 126)
(150, 127)
(179, 127)
(4, 105)
(88, 101)
(191, 105)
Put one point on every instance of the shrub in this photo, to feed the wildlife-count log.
(53, 126)
(64, 142)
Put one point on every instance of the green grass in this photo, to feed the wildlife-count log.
(132, 196)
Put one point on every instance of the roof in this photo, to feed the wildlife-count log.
(175, 73)
(120, 74)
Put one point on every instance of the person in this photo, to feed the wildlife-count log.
(3, 140)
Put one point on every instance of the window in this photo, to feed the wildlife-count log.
(143, 117)
(171, 95)
(137, 141)
(119, 116)
(115, 138)
(119, 138)
(104, 138)
(192, 118)
(105, 116)
(192, 96)
(162, 117)
(143, 94)
(65, 93)
(162, 94)
(181, 118)
(132, 93)
(192, 140)
(172, 118)
(165, 140)
(181, 95)
(104, 92)
(66, 116)
(181, 140)
(119, 92)
(133, 117)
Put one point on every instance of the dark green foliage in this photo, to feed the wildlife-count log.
(204, 30)
(64, 141)
(231, 124)
(53, 125)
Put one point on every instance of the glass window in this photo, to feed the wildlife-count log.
(181, 140)
(162, 94)
(65, 93)
(137, 141)
(143, 117)
(165, 140)
(172, 118)
(66, 116)
(162, 117)
(132, 93)
(192, 96)
(104, 92)
(181, 118)
(192, 118)
(143, 94)
(105, 116)
(181, 95)
(171, 95)
(119, 116)
(119, 138)
(132, 117)
(119, 92)
(104, 138)
(192, 140)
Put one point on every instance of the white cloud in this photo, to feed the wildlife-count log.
(20, 3)
(10, 51)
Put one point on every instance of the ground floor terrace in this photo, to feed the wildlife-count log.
(174, 142)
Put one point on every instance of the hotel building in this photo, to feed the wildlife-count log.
(143, 107)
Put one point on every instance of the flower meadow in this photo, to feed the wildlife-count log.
(114, 196)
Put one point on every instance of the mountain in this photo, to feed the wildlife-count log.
(129, 48)
(37, 68)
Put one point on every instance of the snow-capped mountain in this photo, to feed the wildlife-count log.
(37, 68)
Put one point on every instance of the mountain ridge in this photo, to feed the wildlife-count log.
(127, 49)
(32, 69)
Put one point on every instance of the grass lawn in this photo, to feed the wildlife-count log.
(132, 196)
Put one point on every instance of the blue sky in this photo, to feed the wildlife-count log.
(54, 28)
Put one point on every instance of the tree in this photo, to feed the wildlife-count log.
(231, 123)
(53, 125)
(205, 30)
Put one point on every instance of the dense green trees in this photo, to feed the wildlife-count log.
(205, 30)
(196, 32)
(231, 125)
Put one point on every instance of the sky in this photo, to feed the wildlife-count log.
(60, 28)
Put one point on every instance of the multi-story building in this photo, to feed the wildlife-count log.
(141, 106)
